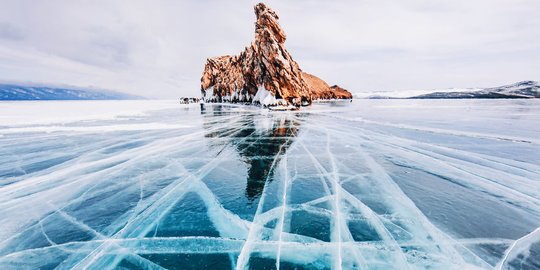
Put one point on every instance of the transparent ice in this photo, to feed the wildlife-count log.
(372, 184)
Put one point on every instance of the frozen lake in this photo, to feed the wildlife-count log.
(372, 184)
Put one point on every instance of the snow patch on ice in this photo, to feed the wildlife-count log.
(93, 129)
(20, 113)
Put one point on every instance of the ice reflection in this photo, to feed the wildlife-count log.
(261, 142)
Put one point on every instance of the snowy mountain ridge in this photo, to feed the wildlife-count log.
(28, 91)
(524, 89)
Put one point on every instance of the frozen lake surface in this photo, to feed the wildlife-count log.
(373, 184)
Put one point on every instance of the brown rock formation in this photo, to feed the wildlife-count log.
(263, 68)
(319, 89)
(340, 93)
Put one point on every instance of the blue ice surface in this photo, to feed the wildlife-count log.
(372, 184)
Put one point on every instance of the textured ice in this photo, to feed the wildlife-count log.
(264, 97)
(373, 184)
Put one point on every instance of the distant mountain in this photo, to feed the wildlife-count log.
(400, 94)
(525, 89)
(15, 91)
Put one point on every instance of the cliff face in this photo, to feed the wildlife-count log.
(263, 73)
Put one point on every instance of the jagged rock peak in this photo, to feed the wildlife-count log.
(264, 73)
(267, 24)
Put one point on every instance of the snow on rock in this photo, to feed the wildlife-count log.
(264, 97)
(207, 94)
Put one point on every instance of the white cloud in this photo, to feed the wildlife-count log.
(158, 48)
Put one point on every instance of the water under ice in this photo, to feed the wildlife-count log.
(373, 184)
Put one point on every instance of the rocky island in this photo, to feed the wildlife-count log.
(264, 73)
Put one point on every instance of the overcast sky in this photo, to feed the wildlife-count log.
(158, 48)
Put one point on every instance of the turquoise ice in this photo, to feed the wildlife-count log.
(372, 184)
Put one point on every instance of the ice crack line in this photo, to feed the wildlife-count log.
(284, 208)
(522, 244)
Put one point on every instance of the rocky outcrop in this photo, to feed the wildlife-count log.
(264, 73)
(320, 90)
(340, 93)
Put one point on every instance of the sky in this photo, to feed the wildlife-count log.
(158, 48)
